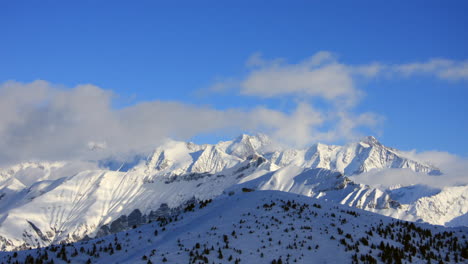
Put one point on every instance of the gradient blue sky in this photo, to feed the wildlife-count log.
(176, 51)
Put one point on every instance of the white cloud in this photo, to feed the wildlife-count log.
(297, 129)
(441, 68)
(454, 168)
(42, 121)
(323, 76)
(318, 76)
(452, 165)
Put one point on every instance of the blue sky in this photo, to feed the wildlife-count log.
(180, 51)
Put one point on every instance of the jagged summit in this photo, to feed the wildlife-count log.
(354, 158)
(371, 140)
(255, 137)
(245, 145)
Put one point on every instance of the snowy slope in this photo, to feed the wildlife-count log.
(71, 207)
(48, 203)
(442, 206)
(262, 227)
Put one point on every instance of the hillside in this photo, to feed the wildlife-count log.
(264, 227)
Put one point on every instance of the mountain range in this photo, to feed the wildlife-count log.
(48, 203)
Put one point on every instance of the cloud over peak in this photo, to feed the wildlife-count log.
(41, 120)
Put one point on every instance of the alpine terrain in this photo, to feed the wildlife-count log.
(243, 200)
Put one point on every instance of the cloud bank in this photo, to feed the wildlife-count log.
(40, 120)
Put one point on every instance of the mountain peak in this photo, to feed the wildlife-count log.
(242, 138)
(371, 140)
(245, 145)
(257, 137)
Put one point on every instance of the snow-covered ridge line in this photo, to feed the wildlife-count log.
(41, 206)
(353, 158)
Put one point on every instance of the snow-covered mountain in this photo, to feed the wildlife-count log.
(350, 159)
(247, 226)
(48, 203)
(367, 154)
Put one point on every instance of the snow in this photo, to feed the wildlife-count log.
(67, 202)
(259, 227)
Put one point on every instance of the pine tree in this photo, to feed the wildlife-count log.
(464, 252)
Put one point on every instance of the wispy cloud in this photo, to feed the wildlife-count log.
(441, 68)
(324, 76)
